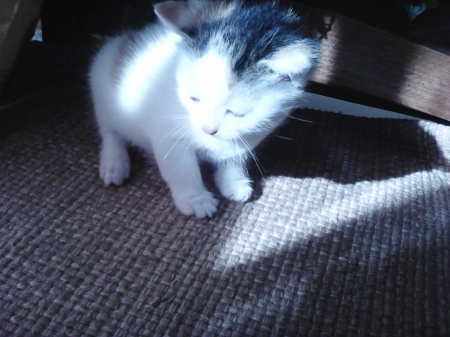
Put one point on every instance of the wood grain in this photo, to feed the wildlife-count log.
(378, 63)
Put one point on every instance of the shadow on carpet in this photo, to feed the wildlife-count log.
(348, 234)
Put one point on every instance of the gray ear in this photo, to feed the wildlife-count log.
(180, 15)
(176, 14)
(295, 61)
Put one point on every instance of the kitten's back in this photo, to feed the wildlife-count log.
(130, 66)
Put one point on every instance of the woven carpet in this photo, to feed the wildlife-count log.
(348, 234)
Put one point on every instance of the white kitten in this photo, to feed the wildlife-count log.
(208, 83)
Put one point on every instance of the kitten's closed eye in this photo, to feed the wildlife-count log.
(235, 114)
(195, 99)
(286, 78)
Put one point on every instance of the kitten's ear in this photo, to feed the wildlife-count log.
(175, 14)
(295, 61)
(185, 16)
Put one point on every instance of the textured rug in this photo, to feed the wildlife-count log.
(348, 234)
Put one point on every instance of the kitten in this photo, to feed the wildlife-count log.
(207, 83)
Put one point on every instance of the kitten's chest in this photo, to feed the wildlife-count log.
(222, 151)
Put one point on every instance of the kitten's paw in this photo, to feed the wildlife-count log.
(201, 205)
(114, 170)
(239, 190)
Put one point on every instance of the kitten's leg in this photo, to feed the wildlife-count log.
(233, 182)
(114, 159)
(180, 169)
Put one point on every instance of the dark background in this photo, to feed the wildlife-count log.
(73, 21)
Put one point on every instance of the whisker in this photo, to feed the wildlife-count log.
(176, 143)
(190, 142)
(252, 154)
(8, 105)
(178, 128)
(174, 116)
(179, 117)
(286, 138)
(302, 120)
(241, 159)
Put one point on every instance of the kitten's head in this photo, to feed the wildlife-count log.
(242, 69)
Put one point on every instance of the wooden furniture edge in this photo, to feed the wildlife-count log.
(381, 64)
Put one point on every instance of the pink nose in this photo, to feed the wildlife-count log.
(209, 130)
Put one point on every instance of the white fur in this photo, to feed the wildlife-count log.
(145, 98)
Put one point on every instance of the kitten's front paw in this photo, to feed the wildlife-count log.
(114, 169)
(239, 190)
(201, 205)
